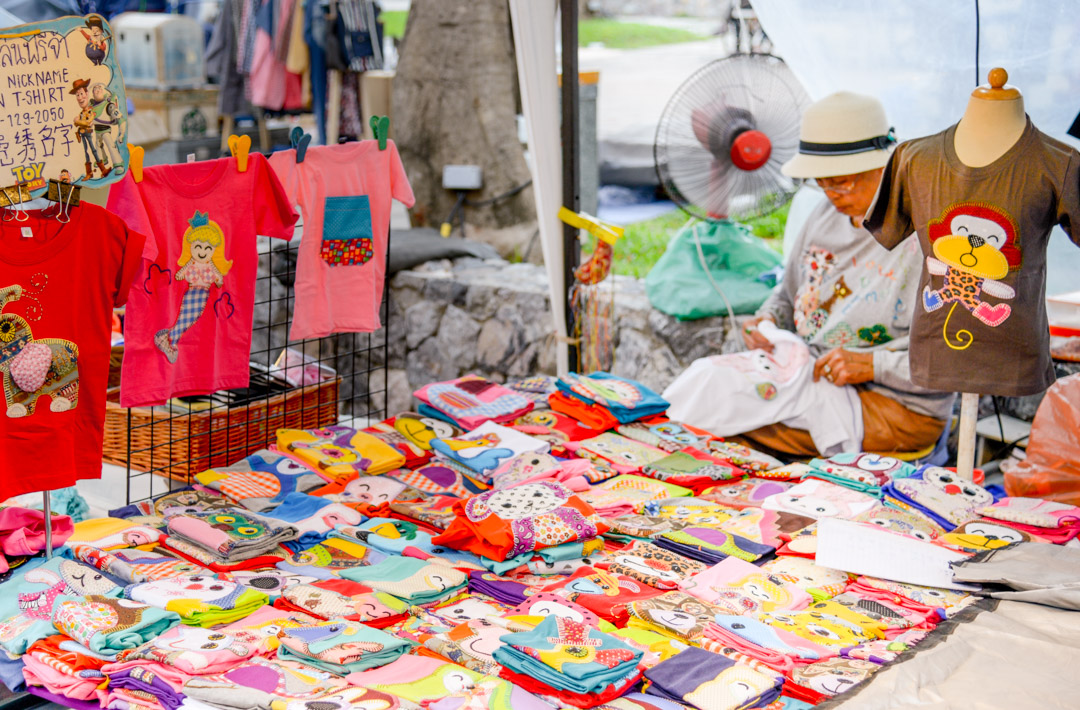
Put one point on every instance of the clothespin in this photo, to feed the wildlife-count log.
(380, 128)
(135, 161)
(603, 231)
(300, 141)
(240, 146)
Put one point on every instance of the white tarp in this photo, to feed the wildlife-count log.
(918, 56)
(534, 23)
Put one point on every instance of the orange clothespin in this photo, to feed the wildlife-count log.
(135, 161)
(240, 146)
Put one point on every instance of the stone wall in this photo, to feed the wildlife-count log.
(493, 318)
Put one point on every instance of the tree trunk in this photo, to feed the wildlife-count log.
(455, 103)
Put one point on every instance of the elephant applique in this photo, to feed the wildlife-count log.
(32, 368)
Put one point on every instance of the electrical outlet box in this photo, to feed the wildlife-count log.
(462, 177)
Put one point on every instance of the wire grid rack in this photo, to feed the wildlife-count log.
(167, 445)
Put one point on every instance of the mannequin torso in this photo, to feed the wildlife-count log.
(993, 122)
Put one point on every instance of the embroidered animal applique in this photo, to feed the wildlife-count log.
(73, 579)
(975, 245)
(32, 367)
(537, 514)
(815, 321)
(819, 263)
(876, 334)
(768, 371)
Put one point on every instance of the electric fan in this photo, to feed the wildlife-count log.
(724, 135)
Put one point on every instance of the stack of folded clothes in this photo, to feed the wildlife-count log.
(227, 539)
(200, 601)
(63, 667)
(520, 519)
(340, 647)
(487, 447)
(1049, 520)
(312, 517)
(865, 472)
(652, 565)
(471, 400)
(607, 594)
(709, 545)
(674, 614)
(624, 399)
(262, 480)
(409, 579)
(741, 588)
(339, 452)
(343, 599)
(107, 625)
(569, 661)
(939, 494)
(708, 681)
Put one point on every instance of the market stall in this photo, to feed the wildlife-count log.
(535, 543)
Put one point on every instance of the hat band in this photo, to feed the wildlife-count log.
(864, 146)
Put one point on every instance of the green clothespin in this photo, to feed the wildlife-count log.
(300, 141)
(380, 127)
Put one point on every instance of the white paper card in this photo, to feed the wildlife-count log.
(867, 549)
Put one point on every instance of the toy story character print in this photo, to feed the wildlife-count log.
(107, 115)
(975, 246)
(202, 265)
(97, 39)
(537, 514)
(32, 368)
(84, 128)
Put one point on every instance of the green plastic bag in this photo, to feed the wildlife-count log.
(679, 286)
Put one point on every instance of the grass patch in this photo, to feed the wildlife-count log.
(644, 243)
(393, 22)
(630, 35)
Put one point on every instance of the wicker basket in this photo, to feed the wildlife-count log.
(179, 446)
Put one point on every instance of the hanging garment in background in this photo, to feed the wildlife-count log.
(58, 285)
(188, 326)
(345, 193)
(732, 394)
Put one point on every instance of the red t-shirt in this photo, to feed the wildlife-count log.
(58, 285)
(188, 326)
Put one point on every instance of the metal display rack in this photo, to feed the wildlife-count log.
(167, 445)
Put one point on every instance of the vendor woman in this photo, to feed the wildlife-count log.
(849, 299)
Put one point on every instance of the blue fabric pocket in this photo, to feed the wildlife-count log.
(347, 234)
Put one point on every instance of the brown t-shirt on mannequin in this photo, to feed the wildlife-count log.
(981, 323)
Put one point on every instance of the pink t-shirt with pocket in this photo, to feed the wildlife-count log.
(344, 193)
(189, 316)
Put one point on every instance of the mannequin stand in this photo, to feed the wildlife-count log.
(965, 452)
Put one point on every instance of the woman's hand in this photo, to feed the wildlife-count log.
(752, 336)
(844, 367)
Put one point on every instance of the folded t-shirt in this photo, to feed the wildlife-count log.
(471, 401)
(409, 579)
(199, 600)
(340, 647)
(742, 588)
(524, 518)
(626, 399)
(106, 625)
(234, 535)
(339, 452)
(709, 681)
(485, 448)
(262, 480)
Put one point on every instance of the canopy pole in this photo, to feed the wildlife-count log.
(570, 160)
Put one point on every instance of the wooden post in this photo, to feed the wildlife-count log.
(965, 453)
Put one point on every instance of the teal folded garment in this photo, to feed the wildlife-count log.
(568, 655)
(340, 647)
(409, 579)
(559, 553)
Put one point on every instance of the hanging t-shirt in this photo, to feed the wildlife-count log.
(188, 326)
(981, 323)
(58, 285)
(344, 192)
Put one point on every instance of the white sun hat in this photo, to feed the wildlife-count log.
(842, 134)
